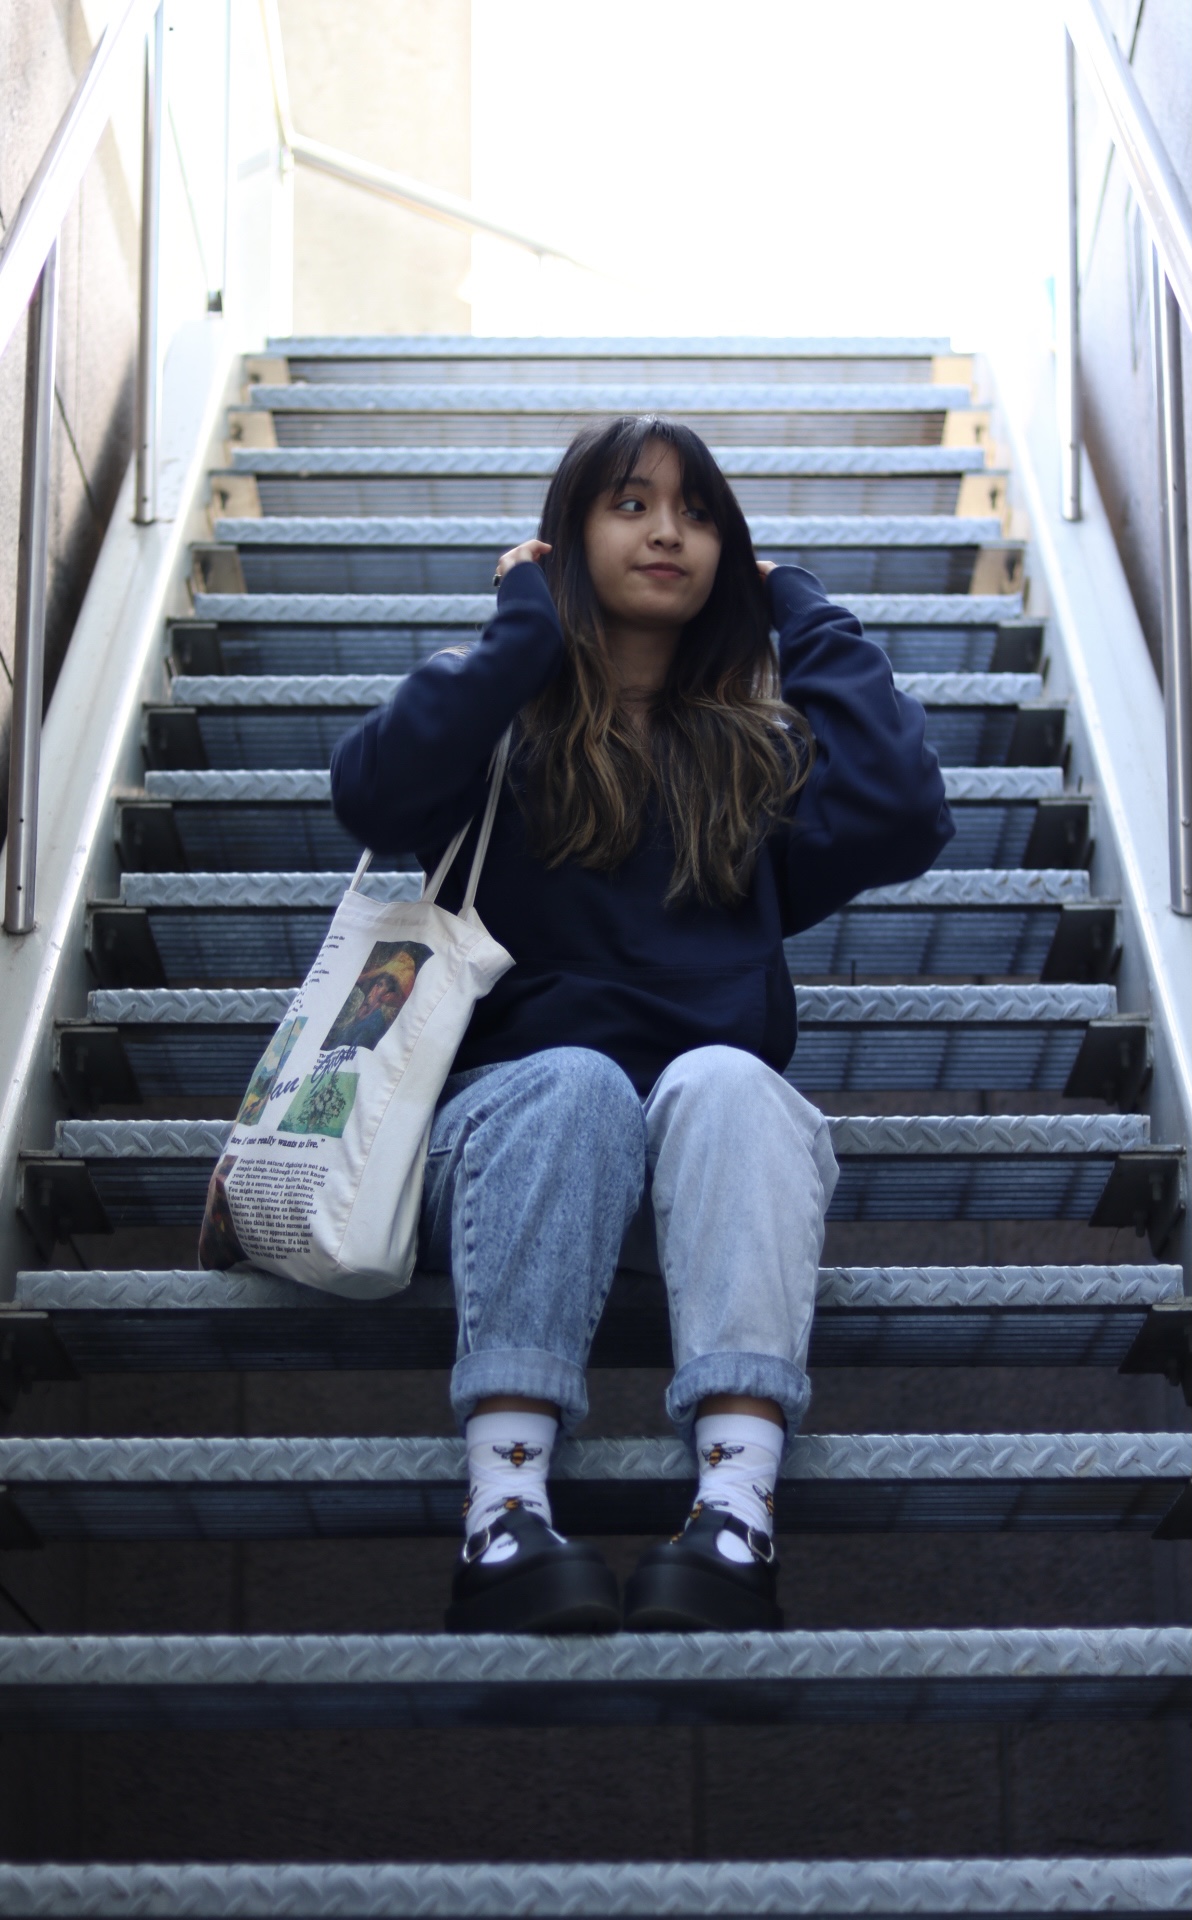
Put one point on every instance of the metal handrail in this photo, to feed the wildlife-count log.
(42, 210)
(1160, 192)
(29, 283)
(383, 181)
(408, 192)
(1165, 207)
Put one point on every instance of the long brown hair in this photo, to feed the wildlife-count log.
(723, 753)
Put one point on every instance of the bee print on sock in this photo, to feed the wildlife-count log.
(716, 1455)
(696, 1510)
(519, 1454)
(766, 1498)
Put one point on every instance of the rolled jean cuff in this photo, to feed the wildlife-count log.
(524, 1370)
(762, 1376)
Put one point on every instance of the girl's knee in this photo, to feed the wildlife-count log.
(588, 1101)
(720, 1074)
(583, 1078)
(724, 1086)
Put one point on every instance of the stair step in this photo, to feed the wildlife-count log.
(992, 921)
(1074, 1166)
(749, 356)
(367, 690)
(261, 928)
(207, 786)
(866, 533)
(424, 1680)
(420, 554)
(203, 646)
(569, 397)
(66, 1322)
(260, 817)
(849, 413)
(116, 1321)
(438, 480)
(473, 609)
(738, 463)
(1160, 1889)
(294, 720)
(298, 1489)
(146, 1043)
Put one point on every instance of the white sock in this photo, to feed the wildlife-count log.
(739, 1456)
(508, 1458)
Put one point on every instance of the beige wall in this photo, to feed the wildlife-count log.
(44, 46)
(390, 82)
(1115, 294)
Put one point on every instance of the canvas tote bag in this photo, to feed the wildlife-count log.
(321, 1178)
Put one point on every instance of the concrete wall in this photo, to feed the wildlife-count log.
(44, 46)
(388, 81)
(1116, 314)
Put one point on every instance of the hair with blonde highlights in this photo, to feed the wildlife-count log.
(722, 751)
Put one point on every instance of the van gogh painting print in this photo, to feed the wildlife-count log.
(268, 1069)
(322, 1103)
(382, 987)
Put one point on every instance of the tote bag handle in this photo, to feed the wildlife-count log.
(430, 888)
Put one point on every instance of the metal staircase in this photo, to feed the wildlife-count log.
(987, 1101)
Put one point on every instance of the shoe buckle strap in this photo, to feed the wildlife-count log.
(477, 1544)
(760, 1544)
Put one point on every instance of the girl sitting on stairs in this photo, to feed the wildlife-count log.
(678, 802)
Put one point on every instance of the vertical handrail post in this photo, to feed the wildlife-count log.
(227, 155)
(1177, 630)
(1067, 345)
(148, 397)
(1157, 297)
(24, 767)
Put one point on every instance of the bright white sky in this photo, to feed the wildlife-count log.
(769, 166)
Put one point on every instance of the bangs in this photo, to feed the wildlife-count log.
(700, 478)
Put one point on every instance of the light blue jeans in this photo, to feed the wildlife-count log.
(546, 1173)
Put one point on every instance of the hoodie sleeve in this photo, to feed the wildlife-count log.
(872, 810)
(411, 773)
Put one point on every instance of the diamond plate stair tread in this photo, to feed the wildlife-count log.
(426, 1680)
(897, 1136)
(371, 690)
(474, 609)
(265, 890)
(292, 1488)
(840, 1289)
(993, 886)
(279, 785)
(540, 462)
(613, 346)
(665, 397)
(974, 887)
(138, 1320)
(503, 531)
(635, 1890)
(1076, 1457)
(817, 1005)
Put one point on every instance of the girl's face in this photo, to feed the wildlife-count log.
(652, 555)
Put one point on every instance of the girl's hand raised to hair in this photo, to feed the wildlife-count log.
(766, 567)
(529, 550)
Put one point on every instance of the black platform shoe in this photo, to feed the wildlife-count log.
(687, 1586)
(550, 1585)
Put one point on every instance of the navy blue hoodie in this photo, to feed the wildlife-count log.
(600, 962)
